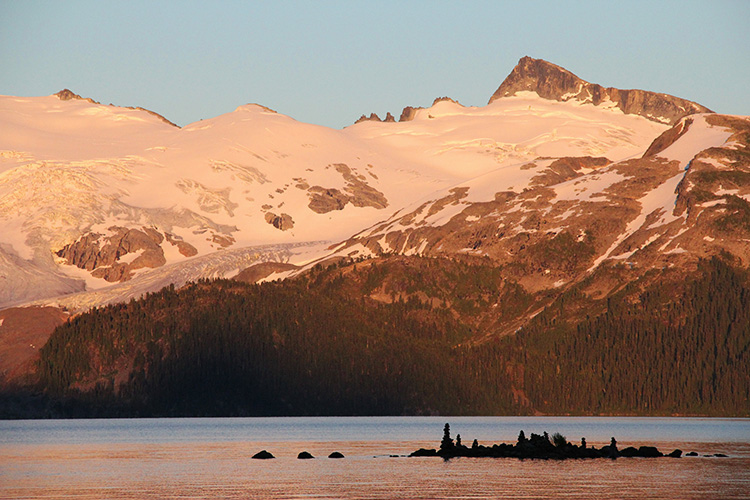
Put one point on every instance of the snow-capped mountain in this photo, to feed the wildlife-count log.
(101, 203)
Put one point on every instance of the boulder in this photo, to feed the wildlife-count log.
(649, 452)
(424, 452)
(263, 455)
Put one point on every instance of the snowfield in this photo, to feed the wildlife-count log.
(253, 185)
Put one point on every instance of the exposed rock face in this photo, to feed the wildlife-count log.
(102, 256)
(372, 118)
(282, 222)
(183, 247)
(67, 95)
(408, 113)
(358, 193)
(375, 118)
(324, 200)
(553, 82)
(668, 138)
(445, 98)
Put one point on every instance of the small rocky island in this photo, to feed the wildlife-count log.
(537, 446)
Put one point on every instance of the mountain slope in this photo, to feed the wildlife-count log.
(552, 221)
(397, 335)
(94, 199)
(501, 231)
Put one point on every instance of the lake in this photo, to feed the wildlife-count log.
(190, 458)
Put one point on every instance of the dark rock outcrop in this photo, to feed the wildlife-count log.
(668, 137)
(282, 222)
(101, 255)
(408, 113)
(263, 455)
(375, 118)
(324, 200)
(305, 456)
(358, 193)
(556, 83)
(445, 98)
(69, 95)
(372, 118)
(336, 454)
(183, 247)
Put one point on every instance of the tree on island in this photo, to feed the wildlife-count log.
(521, 437)
(447, 443)
(559, 440)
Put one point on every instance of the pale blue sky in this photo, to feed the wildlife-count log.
(328, 62)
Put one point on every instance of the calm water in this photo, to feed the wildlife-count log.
(210, 458)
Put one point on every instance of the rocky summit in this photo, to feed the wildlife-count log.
(550, 81)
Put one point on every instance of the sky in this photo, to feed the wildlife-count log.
(328, 62)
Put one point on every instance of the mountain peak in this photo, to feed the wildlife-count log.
(553, 82)
(537, 75)
(68, 95)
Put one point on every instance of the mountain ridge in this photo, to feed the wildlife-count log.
(67, 95)
(101, 204)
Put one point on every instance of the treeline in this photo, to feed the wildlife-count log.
(655, 352)
(321, 345)
(307, 346)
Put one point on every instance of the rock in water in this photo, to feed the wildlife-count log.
(305, 456)
(263, 455)
(335, 454)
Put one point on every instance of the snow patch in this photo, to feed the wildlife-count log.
(588, 187)
(676, 250)
(661, 199)
(713, 203)
(130, 257)
(700, 136)
(723, 192)
(274, 276)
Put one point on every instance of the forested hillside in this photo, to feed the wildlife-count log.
(405, 335)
